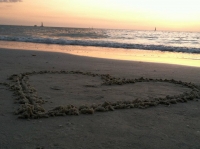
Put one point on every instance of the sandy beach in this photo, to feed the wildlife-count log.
(61, 79)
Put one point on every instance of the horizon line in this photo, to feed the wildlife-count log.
(153, 28)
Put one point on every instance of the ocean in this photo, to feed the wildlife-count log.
(185, 42)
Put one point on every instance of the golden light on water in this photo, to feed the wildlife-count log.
(184, 59)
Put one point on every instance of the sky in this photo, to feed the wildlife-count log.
(172, 15)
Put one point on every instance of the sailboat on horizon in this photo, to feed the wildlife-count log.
(42, 25)
(155, 29)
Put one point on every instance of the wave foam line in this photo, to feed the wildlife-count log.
(101, 44)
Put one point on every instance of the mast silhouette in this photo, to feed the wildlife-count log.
(155, 29)
(42, 25)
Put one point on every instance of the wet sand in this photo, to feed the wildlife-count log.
(161, 126)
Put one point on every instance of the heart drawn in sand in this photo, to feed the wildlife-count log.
(103, 91)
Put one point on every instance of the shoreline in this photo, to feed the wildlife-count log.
(164, 126)
(176, 58)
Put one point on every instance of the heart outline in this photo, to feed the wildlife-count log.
(30, 104)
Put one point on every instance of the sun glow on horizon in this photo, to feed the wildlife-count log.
(173, 15)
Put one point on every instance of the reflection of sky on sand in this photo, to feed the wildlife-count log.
(112, 53)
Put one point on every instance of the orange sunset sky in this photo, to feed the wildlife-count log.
(174, 15)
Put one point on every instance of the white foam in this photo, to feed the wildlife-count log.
(101, 43)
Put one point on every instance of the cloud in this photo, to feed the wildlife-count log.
(10, 1)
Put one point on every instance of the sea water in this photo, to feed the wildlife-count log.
(185, 42)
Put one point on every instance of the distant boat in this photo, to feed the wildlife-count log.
(155, 29)
(42, 25)
(35, 25)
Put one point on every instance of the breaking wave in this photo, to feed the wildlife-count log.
(100, 43)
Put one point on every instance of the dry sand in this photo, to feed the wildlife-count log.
(171, 126)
